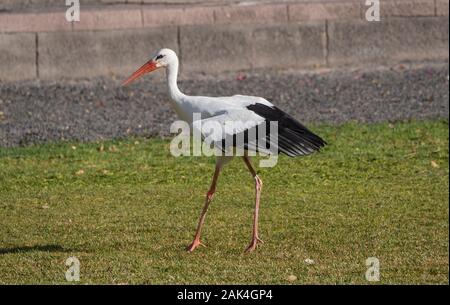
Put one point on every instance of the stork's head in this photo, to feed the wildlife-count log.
(161, 59)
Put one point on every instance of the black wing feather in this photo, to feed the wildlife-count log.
(294, 139)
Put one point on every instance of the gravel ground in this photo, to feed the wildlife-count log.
(35, 112)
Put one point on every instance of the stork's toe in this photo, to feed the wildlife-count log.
(254, 244)
(194, 245)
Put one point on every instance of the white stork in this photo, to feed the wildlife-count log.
(293, 138)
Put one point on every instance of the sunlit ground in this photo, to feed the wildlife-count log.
(127, 209)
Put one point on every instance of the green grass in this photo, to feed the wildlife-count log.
(377, 190)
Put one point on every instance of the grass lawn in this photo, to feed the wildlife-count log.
(127, 209)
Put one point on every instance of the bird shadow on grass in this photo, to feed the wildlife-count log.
(35, 248)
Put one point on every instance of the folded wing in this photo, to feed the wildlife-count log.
(249, 128)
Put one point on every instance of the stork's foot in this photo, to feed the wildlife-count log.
(194, 245)
(253, 244)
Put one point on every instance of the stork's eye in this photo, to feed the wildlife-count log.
(159, 57)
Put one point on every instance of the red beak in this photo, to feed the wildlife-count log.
(146, 68)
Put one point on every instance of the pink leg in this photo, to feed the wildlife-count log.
(196, 242)
(258, 186)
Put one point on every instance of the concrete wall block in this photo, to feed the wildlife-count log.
(251, 14)
(89, 54)
(324, 11)
(109, 19)
(35, 22)
(390, 40)
(442, 7)
(17, 56)
(178, 16)
(290, 46)
(216, 48)
(405, 8)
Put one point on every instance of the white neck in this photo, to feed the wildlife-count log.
(172, 74)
